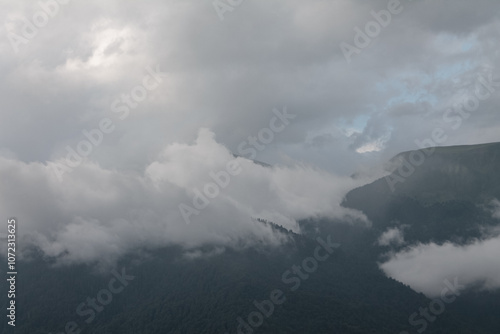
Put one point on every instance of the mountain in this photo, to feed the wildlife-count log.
(325, 280)
(437, 195)
(439, 192)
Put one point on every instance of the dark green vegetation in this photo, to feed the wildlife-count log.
(444, 199)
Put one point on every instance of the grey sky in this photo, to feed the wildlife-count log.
(228, 75)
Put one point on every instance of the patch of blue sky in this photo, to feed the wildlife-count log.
(355, 125)
(401, 93)
(455, 44)
(450, 71)
(468, 45)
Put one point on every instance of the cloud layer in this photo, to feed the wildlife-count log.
(98, 213)
(62, 72)
(424, 267)
(228, 75)
(393, 236)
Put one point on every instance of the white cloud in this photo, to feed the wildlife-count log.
(393, 236)
(98, 213)
(496, 208)
(199, 254)
(375, 146)
(425, 266)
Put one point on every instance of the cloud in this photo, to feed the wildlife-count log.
(229, 75)
(99, 214)
(226, 76)
(393, 236)
(425, 266)
(496, 208)
(198, 254)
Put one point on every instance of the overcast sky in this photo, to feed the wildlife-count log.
(227, 75)
(161, 93)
